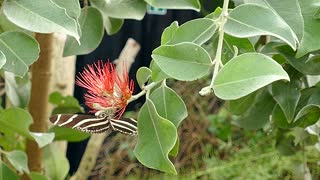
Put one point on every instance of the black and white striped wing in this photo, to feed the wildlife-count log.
(126, 126)
(85, 123)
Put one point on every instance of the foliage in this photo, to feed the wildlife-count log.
(254, 81)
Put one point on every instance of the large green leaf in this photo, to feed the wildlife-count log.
(16, 120)
(305, 64)
(20, 50)
(122, 9)
(42, 139)
(250, 20)
(177, 4)
(17, 89)
(287, 96)
(187, 33)
(7, 173)
(55, 162)
(246, 73)
(68, 134)
(168, 32)
(112, 25)
(311, 35)
(18, 160)
(156, 137)
(43, 16)
(288, 10)
(184, 61)
(258, 115)
(91, 24)
(169, 104)
(241, 105)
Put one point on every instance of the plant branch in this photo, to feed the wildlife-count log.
(217, 60)
(38, 105)
(143, 92)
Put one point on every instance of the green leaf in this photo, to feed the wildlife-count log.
(287, 96)
(65, 104)
(215, 14)
(156, 135)
(188, 33)
(177, 4)
(229, 43)
(168, 32)
(288, 10)
(169, 104)
(311, 35)
(20, 50)
(42, 139)
(2, 59)
(157, 75)
(37, 176)
(18, 89)
(72, 7)
(245, 74)
(55, 163)
(143, 75)
(68, 134)
(122, 9)
(279, 118)
(91, 24)
(258, 115)
(184, 61)
(6, 25)
(241, 105)
(16, 120)
(250, 20)
(112, 25)
(305, 64)
(42, 16)
(18, 160)
(7, 173)
(308, 115)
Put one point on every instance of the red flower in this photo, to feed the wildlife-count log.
(105, 87)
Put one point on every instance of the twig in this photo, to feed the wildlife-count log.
(91, 153)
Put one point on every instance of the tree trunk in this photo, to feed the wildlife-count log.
(38, 105)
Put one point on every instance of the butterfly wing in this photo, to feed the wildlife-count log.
(85, 123)
(126, 126)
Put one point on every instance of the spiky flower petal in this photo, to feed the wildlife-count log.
(105, 87)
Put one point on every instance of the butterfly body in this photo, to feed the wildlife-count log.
(95, 124)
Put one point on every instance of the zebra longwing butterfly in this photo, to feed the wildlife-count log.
(95, 124)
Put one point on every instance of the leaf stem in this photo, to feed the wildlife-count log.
(217, 60)
(143, 92)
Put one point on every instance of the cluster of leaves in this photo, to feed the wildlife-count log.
(84, 28)
(247, 77)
